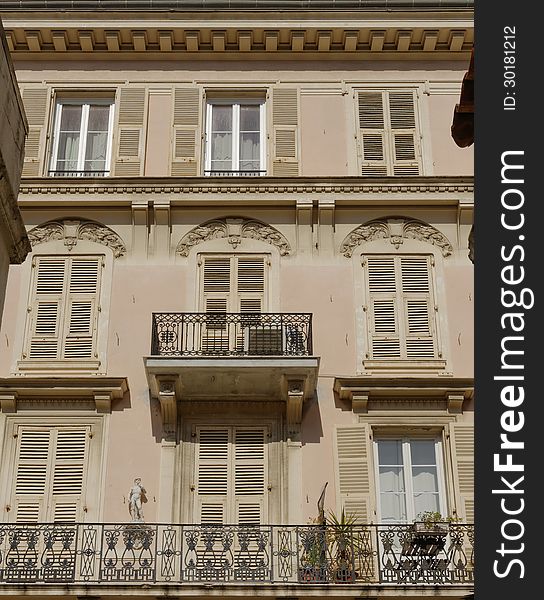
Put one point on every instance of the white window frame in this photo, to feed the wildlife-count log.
(60, 102)
(407, 468)
(235, 104)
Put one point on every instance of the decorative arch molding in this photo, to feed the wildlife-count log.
(396, 229)
(234, 229)
(73, 230)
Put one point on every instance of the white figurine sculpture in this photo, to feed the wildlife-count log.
(136, 497)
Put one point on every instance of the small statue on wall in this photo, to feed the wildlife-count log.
(136, 497)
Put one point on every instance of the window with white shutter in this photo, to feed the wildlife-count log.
(409, 478)
(231, 474)
(235, 138)
(63, 309)
(400, 308)
(388, 133)
(235, 283)
(50, 474)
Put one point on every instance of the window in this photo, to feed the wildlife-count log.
(82, 138)
(401, 308)
(237, 284)
(231, 475)
(388, 133)
(50, 474)
(235, 138)
(409, 478)
(63, 309)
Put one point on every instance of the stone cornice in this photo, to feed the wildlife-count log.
(361, 391)
(273, 190)
(72, 390)
(423, 34)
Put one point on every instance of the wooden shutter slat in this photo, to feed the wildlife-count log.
(352, 447)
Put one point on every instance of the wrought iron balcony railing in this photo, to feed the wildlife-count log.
(216, 173)
(234, 554)
(57, 173)
(231, 334)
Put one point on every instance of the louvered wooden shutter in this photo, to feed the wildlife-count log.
(50, 475)
(462, 440)
(216, 295)
(285, 122)
(212, 475)
(249, 475)
(130, 142)
(47, 308)
(231, 475)
(419, 319)
(250, 284)
(401, 310)
(186, 134)
(82, 308)
(36, 104)
(372, 134)
(64, 308)
(353, 449)
(388, 133)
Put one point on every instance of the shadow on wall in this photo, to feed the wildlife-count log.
(312, 425)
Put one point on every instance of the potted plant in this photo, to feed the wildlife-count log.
(344, 544)
(429, 534)
(313, 553)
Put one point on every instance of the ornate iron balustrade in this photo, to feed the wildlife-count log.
(57, 173)
(212, 173)
(267, 554)
(231, 334)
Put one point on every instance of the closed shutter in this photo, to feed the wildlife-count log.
(404, 135)
(388, 133)
(372, 134)
(36, 104)
(233, 284)
(130, 143)
(352, 444)
(186, 135)
(285, 122)
(50, 473)
(231, 475)
(462, 440)
(64, 308)
(400, 308)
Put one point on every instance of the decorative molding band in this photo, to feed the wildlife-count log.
(265, 185)
(234, 229)
(396, 230)
(71, 231)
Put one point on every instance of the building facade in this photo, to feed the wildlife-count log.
(239, 359)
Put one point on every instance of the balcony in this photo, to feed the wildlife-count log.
(231, 173)
(58, 173)
(172, 555)
(231, 356)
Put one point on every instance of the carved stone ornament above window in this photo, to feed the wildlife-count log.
(396, 230)
(234, 229)
(71, 231)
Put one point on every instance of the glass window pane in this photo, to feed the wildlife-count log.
(221, 165)
(425, 479)
(249, 146)
(221, 118)
(392, 507)
(98, 117)
(423, 452)
(97, 144)
(68, 149)
(391, 479)
(222, 147)
(70, 119)
(250, 117)
(426, 502)
(390, 452)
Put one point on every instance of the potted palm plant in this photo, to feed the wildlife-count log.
(345, 544)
